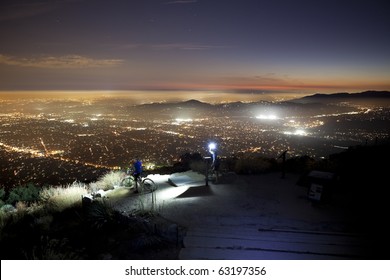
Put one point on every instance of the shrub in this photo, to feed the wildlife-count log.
(21, 206)
(2, 197)
(110, 179)
(300, 164)
(94, 187)
(2, 194)
(60, 198)
(198, 166)
(27, 193)
(7, 208)
(100, 213)
(254, 165)
(43, 222)
(52, 249)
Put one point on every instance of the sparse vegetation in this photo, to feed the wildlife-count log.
(254, 165)
(110, 179)
(2, 194)
(27, 193)
(59, 198)
(53, 223)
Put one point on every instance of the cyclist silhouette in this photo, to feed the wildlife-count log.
(215, 167)
(137, 165)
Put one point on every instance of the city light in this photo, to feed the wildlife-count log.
(71, 138)
(179, 120)
(267, 117)
(298, 132)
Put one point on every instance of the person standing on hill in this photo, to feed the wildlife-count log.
(215, 167)
(283, 157)
(137, 165)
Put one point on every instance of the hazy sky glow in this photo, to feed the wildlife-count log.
(220, 45)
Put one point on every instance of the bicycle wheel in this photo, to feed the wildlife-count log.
(127, 182)
(148, 185)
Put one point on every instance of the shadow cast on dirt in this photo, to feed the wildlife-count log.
(196, 191)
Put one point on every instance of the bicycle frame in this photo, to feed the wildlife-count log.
(144, 184)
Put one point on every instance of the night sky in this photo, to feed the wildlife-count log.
(236, 45)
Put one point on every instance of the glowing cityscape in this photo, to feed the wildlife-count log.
(107, 133)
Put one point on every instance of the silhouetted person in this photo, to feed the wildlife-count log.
(283, 157)
(216, 165)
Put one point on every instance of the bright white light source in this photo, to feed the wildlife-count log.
(183, 120)
(212, 146)
(299, 132)
(267, 117)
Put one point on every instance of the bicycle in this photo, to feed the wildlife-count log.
(145, 185)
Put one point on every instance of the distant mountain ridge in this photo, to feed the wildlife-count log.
(346, 95)
(191, 103)
(315, 98)
(194, 103)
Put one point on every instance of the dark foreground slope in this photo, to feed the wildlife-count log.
(364, 178)
(98, 231)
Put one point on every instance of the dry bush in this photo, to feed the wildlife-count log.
(52, 249)
(109, 180)
(60, 198)
(254, 165)
(198, 166)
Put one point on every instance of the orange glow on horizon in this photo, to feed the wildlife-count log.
(304, 88)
